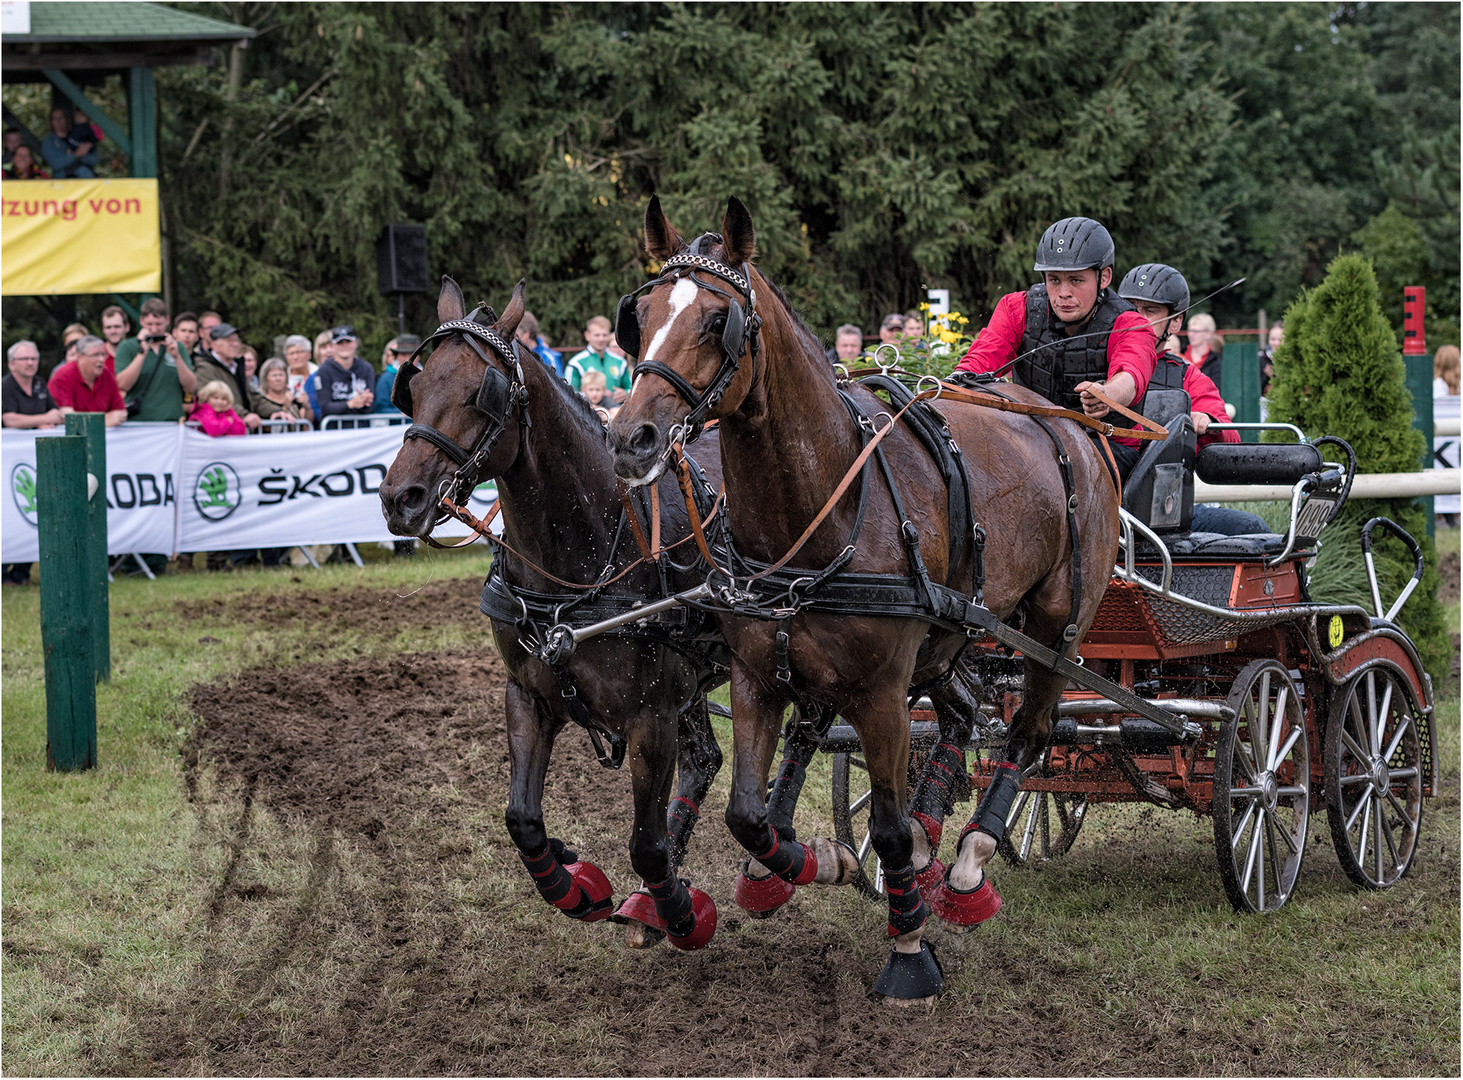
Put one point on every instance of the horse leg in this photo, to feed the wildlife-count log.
(943, 780)
(758, 891)
(912, 974)
(698, 763)
(966, 898)
(686, 916)
(778, 863)
(577, 888)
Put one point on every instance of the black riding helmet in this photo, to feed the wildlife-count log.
(1158, 284)
(1075, 243)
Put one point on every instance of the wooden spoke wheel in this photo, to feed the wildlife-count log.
(852, 794)
(1373, 757)
(1262, 789)
(1042, 824)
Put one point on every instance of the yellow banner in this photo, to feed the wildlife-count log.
(79, 236)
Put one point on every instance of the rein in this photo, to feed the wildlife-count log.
(942, 391)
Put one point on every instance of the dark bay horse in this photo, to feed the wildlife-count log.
(787, 440)
(480, 412)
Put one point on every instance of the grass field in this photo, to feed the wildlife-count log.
(160, 916)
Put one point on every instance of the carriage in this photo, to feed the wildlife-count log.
(1298, 704)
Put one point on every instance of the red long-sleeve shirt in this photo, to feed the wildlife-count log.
(1204, 397)
(1131, 345)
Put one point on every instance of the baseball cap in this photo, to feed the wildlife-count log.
(222, 330)
(342, 333)
(894, 320)
(406, 343)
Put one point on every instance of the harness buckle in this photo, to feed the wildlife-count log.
(1072, 504)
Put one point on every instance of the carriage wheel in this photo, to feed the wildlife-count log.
(851, 795)
(1262, 788)
(1042, 824)
(1374, 779)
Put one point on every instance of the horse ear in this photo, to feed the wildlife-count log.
(450, 304)
(739, 242)
(661, 240)
(507, 326)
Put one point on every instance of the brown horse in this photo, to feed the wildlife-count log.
(480, 412)
(787, 440)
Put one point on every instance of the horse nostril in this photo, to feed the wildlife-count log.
(644, 440)
(411, 498)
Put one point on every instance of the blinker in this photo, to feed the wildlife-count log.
(401, 388)
(627, 326)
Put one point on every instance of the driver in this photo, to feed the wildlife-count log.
(1161, 296)
(1074, 300)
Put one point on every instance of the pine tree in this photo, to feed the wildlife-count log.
(1340, 372)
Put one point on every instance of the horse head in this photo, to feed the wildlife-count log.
(468, 407)
(695, 329)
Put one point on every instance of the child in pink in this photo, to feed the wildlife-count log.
(214, 411)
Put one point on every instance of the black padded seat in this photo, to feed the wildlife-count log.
(1204, 545)
(1256, 463)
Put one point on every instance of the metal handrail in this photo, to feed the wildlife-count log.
(1269, 426)
(357, 421)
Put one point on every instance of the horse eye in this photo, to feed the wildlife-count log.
(717, 325)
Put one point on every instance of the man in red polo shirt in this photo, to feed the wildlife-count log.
(85, 384)
(1071, 333)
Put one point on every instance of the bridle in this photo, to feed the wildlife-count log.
(495, 399)
(741, 334)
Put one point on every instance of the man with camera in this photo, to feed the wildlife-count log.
(153, 369)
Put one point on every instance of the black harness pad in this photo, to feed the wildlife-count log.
(401, 387)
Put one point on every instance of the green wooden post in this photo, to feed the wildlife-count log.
(1241, 377)
(1420, 383)
(93, 427)
(142, 119)
(66, 616)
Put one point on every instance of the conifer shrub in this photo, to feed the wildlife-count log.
(1340, 372)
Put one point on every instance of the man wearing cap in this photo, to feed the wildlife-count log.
(891, 329)
(399, 351)
(224, 361)
(344, 383)
(1071, 333)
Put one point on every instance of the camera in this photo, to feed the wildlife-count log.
(156, 337)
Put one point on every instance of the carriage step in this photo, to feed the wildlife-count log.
(842, 739)
(1133, 733)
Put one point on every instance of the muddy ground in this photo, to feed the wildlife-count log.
(371, 917)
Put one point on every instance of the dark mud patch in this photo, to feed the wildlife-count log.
(1448, 564)
(370, 610)
(372, 918)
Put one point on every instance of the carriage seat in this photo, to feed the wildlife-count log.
(1205, 545)
(1256, 463)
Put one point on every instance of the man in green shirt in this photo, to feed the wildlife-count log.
(153, 369)
(598, 358)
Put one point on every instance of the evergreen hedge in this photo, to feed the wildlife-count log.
(1340, 372)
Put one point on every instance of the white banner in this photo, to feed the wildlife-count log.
(285, 489)
(171, 489)
(1445, 450)
(141, 487)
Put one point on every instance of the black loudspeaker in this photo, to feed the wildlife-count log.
(401, 260)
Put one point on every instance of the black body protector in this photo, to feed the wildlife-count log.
(1055, 371)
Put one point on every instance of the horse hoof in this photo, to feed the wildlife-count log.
(837, 862)
(961, 911)
(643, 925)
(595, 896)
(760, 897)
(703, 925)
(930, 877)
(640, 936)
(911, 978)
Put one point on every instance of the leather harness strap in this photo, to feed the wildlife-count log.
(634, 520)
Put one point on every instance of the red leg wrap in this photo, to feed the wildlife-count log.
(966, 908)
(593, 896)
(703, 909)
(760, 897)
(930, 877)
(810, 867)
(933, 829)
(640, 907)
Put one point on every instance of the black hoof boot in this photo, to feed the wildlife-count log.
(911, 978)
